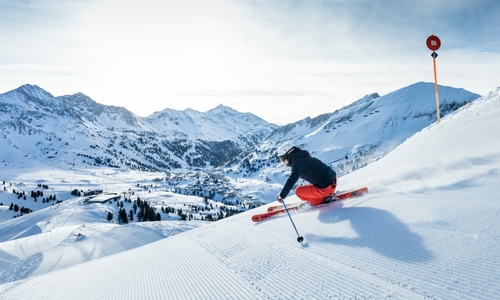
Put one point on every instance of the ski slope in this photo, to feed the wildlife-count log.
(428, 229)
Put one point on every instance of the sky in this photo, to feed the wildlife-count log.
(280, 60)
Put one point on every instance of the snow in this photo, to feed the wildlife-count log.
(427, 229)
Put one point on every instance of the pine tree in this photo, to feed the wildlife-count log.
(123, 219)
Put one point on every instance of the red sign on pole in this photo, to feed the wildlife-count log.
(433, 43)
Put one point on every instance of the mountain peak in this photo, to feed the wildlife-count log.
(222, 109)
(34, 91)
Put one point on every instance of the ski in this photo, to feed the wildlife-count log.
(279, 209)
(340, 196)
(280, 206)
(267, 215)
(351, 193)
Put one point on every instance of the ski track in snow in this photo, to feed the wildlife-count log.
(320, 276)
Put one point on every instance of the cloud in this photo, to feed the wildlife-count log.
(154, 54)
(39, 32)
(350, 28)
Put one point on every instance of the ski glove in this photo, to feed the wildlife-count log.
(278, 198)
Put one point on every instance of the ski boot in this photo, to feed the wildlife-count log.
(329, 199)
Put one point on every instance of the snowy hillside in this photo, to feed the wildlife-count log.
(75, 131)
(57, 234)
(427, 229)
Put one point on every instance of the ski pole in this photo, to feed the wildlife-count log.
(299, 238)
(345, 157)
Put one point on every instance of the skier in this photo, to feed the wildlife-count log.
(322, 179)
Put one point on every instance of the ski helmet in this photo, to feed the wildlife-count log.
(284, 151)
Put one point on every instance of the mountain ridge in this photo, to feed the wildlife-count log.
(364, 130)
(32, 116)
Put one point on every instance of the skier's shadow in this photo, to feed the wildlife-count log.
(377, 230)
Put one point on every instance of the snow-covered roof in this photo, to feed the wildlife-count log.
(103, 198)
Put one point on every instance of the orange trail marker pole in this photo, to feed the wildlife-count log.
(433, 43)
(437, 90)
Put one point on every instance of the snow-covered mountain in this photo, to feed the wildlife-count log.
(426, 230)
(221, 123)
(74, 129)
(365, 130)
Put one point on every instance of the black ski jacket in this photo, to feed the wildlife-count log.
(308, 168)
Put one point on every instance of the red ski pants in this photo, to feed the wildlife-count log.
(314, 195)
